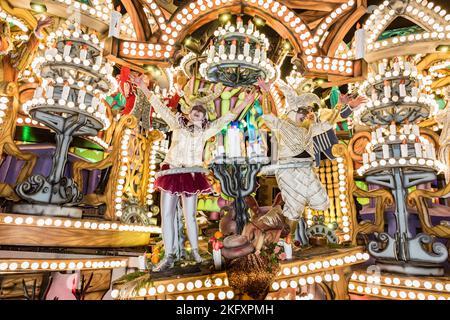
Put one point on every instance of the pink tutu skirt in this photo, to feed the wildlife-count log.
(188, 183)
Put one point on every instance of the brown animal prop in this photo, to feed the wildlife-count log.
(251, 275)
(267, 228)
(236, 246)
(227, 224)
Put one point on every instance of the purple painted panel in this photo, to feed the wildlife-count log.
(10, 167)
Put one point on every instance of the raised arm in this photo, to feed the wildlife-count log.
(343, 109)
(218, 124)
(166, 114)
(265, 88)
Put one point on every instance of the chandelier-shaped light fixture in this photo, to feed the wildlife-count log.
(237, 56)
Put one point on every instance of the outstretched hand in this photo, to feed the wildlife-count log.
(249, 98)
(43, 23)
(138, 80)
(354, 103)
(265, 86)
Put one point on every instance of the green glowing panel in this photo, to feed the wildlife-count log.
(400, 32)
(26, 134)
(363, 186)
(88, 154)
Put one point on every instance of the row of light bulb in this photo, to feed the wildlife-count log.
(441, 65)
(244, 31)
(422, 99)
(187, 14)
(195, 9)
(27, 120)
(408, 282)
(106, 70)
(149, 50)
(428, 15)
(65, 265)
(123, 168)
(100, 11)
(157, 14)
(291, 19)
(127, 27)
(329, 64)
(321, 30)
(98, 141)
(413, 74)
(266, 66)
(75, 35)
(343, 52)
(221, 295)
(286, 271)
(3, 107)
(78, 62)
(36, 103)
(419, 37)
(281, 109)
(184, 17)
(377, 78)
(323, 264)
(383, 15)
(304, 281)
(343, 199)
(393, 139)
(434, 164)
(180, 287)
(11, 19)
(76, 224)
(394, 293)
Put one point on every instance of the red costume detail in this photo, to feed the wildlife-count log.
(188, 183)
(126, 87)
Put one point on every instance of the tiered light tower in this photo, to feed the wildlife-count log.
(398, 158)
(238, 56)
(75, 79)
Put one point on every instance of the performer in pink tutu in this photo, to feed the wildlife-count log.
(182, 173)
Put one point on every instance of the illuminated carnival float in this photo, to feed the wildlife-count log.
(224, 150)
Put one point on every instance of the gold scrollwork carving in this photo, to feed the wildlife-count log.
(357, 146)
(419, 199)
(7, 144)
(136, 173)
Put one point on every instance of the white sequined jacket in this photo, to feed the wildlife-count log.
(186, 148)
(292, 139)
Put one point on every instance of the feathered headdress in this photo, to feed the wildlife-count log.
(204, 97)
(296, 101)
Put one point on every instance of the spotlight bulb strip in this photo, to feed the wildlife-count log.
(83, 224)
(24, 265)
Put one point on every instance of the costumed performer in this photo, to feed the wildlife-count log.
(182, 173)
(299, 184)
